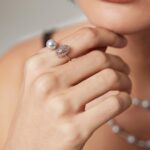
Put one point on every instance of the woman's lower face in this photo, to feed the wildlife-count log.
(123, 18)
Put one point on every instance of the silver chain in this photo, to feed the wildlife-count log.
(130, 138)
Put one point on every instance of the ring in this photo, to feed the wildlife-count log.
(61, 51)
(51, 44)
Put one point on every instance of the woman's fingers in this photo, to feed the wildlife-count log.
(96, 116)
(79, 68)
(97, 100)
(82, 67)
(97, 85)
(83, 41)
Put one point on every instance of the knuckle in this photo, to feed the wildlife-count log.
(45, 83)
(117, 104)
(72, 133)
(100, 58)
(118, 101)
(29, 63)
(33, 63)
(60, 105)
(111, 76)
(89, 32)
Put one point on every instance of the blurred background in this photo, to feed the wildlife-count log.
(20, 19)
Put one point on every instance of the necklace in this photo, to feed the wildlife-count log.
(141, 103)
(130, 138)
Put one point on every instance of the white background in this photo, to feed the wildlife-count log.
(22, 18)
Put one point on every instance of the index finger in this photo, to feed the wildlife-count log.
(84, 40)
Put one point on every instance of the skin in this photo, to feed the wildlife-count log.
(53, 104)
(120, 18)
(139, 74)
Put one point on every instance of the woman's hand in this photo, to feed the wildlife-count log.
(62, 103)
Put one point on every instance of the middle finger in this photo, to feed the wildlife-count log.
(85, 66)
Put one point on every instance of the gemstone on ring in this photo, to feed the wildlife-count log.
(63, 50)
(51, 44)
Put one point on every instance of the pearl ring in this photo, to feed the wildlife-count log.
(61, 50)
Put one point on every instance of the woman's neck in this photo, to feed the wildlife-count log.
(138, 47)
(136, 54)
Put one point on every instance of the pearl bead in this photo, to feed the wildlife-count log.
(141, 143)
(110, 122)
(131, 139)
(145, 104)
(135, 101)
(148, 144)
(116, 129)
(51, 44)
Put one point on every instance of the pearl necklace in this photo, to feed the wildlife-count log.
(130, 138)
(141, 103)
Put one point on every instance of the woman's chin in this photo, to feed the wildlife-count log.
(123, 18)
(121, 21)
(124, 30)
(120, 27)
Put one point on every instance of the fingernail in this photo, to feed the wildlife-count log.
(121, 42)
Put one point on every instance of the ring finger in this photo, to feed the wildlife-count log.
(97, 85)
(85, 66)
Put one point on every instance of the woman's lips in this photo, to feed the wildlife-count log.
(119, 1)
